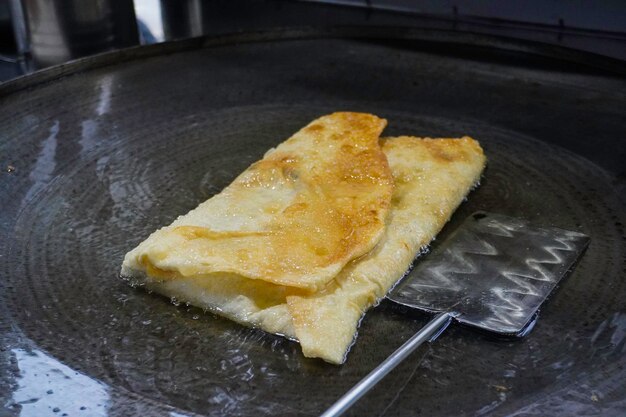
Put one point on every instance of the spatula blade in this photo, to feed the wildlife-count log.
(493, 272)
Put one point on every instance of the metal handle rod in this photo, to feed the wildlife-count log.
(437, 325)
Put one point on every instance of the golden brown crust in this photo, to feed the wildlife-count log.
(314, 203)
(432, 178)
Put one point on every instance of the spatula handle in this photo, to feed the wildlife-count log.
(433, 329)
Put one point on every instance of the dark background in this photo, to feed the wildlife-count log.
(38, 33)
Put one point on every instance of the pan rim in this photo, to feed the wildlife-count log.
(439, 37)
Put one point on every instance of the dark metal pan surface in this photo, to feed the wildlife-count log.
(98, 153)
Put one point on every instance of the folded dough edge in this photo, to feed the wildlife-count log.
(432, 177)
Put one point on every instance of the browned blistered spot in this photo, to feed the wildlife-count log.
(442, 155)
(315, 128)
(294, 208)
(321, 251)
(288, 159)
(446, 151)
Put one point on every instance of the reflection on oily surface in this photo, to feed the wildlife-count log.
(45, 386)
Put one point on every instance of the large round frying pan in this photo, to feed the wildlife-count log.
(98, 153)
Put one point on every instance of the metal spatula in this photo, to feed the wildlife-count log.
(493, 273)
